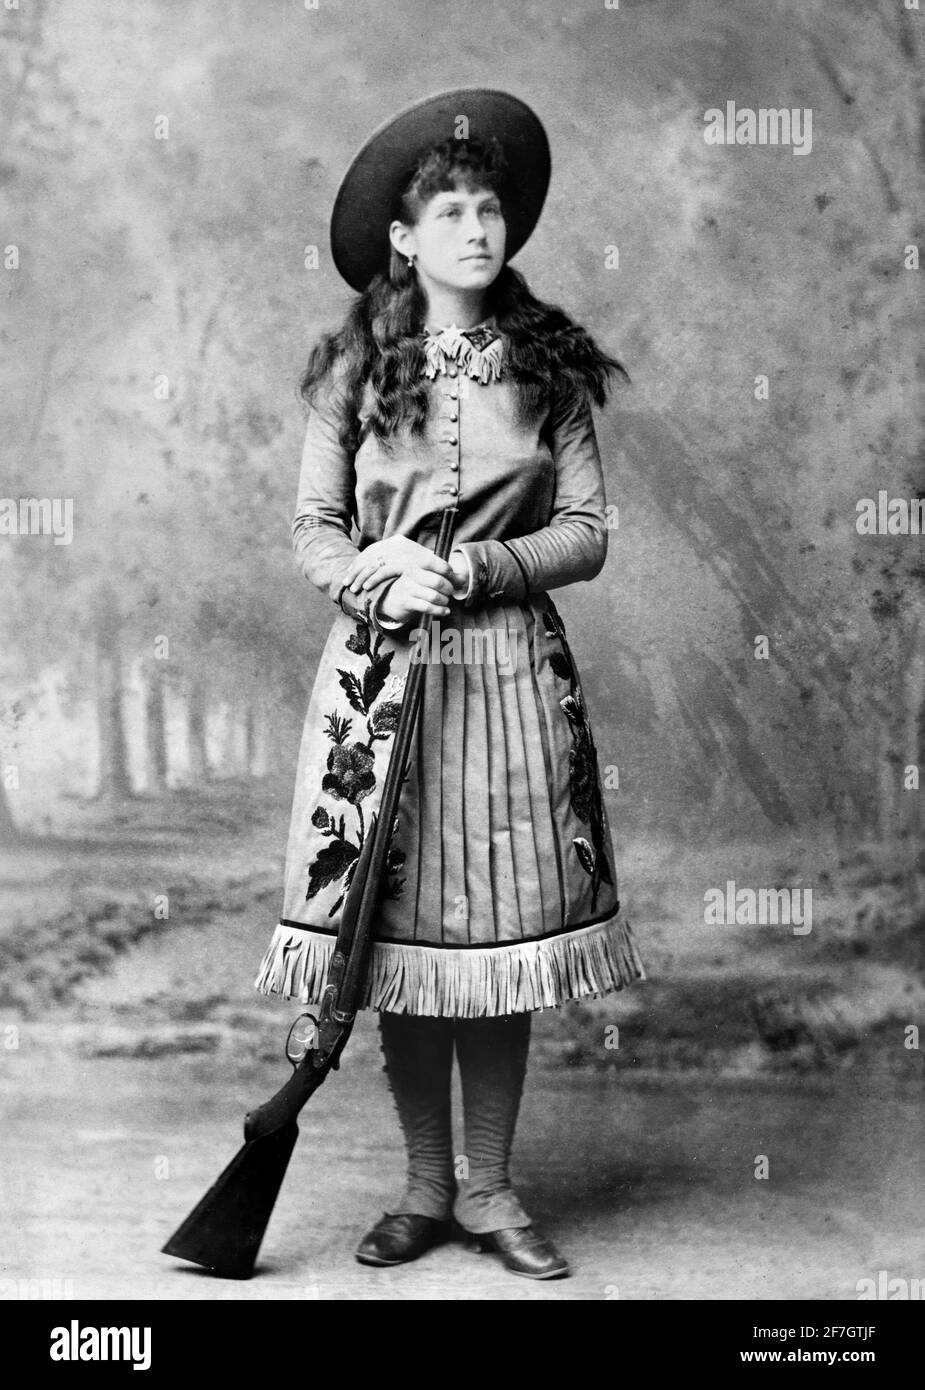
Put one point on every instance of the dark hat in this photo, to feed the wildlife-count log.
(367, 199)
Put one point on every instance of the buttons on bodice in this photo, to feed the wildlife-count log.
(448, 438)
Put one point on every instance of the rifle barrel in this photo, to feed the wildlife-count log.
(391, 791)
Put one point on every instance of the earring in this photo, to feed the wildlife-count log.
(410, 262)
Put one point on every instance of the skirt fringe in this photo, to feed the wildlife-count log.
(476, 982)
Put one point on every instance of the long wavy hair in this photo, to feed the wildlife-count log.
(381, 339)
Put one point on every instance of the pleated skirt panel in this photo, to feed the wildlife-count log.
(502, 892)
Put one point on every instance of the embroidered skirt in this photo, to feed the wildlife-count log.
(502, 892)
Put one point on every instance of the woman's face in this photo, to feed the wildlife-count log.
(458, 241)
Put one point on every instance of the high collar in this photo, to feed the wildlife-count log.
(477, 352)
(432, 332)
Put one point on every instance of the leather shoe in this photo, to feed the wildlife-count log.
(396, 1239)
(523, 1251)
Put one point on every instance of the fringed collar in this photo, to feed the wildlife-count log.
(477, 351)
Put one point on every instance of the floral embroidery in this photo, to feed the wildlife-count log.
(351, 774)
(584, 781)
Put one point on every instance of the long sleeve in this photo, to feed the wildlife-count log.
(573, 546)
(326, 504)
(326, 507)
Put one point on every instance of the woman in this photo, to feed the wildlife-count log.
(451, 385)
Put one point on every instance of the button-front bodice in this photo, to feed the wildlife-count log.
(530, 496)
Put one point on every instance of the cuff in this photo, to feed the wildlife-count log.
(496, 572)
(377, 619)
(364, 607)
(467, 592)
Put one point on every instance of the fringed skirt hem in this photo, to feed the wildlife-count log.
(473, 982)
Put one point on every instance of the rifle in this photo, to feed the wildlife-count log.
(225, 1229)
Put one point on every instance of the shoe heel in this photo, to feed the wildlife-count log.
(476, 1245)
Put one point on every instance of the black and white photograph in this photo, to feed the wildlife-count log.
(462, 663)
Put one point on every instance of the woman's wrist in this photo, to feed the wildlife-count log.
(380, 611)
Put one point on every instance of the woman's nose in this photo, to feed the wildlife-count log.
(474, 229)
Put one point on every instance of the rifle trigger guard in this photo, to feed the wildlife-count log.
(298, 1045)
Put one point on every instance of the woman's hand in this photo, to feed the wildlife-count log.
(390, 559)
(418, 590)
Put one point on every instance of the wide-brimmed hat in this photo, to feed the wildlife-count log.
(367, 200)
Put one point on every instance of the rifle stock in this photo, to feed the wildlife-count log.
(225, 1229)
